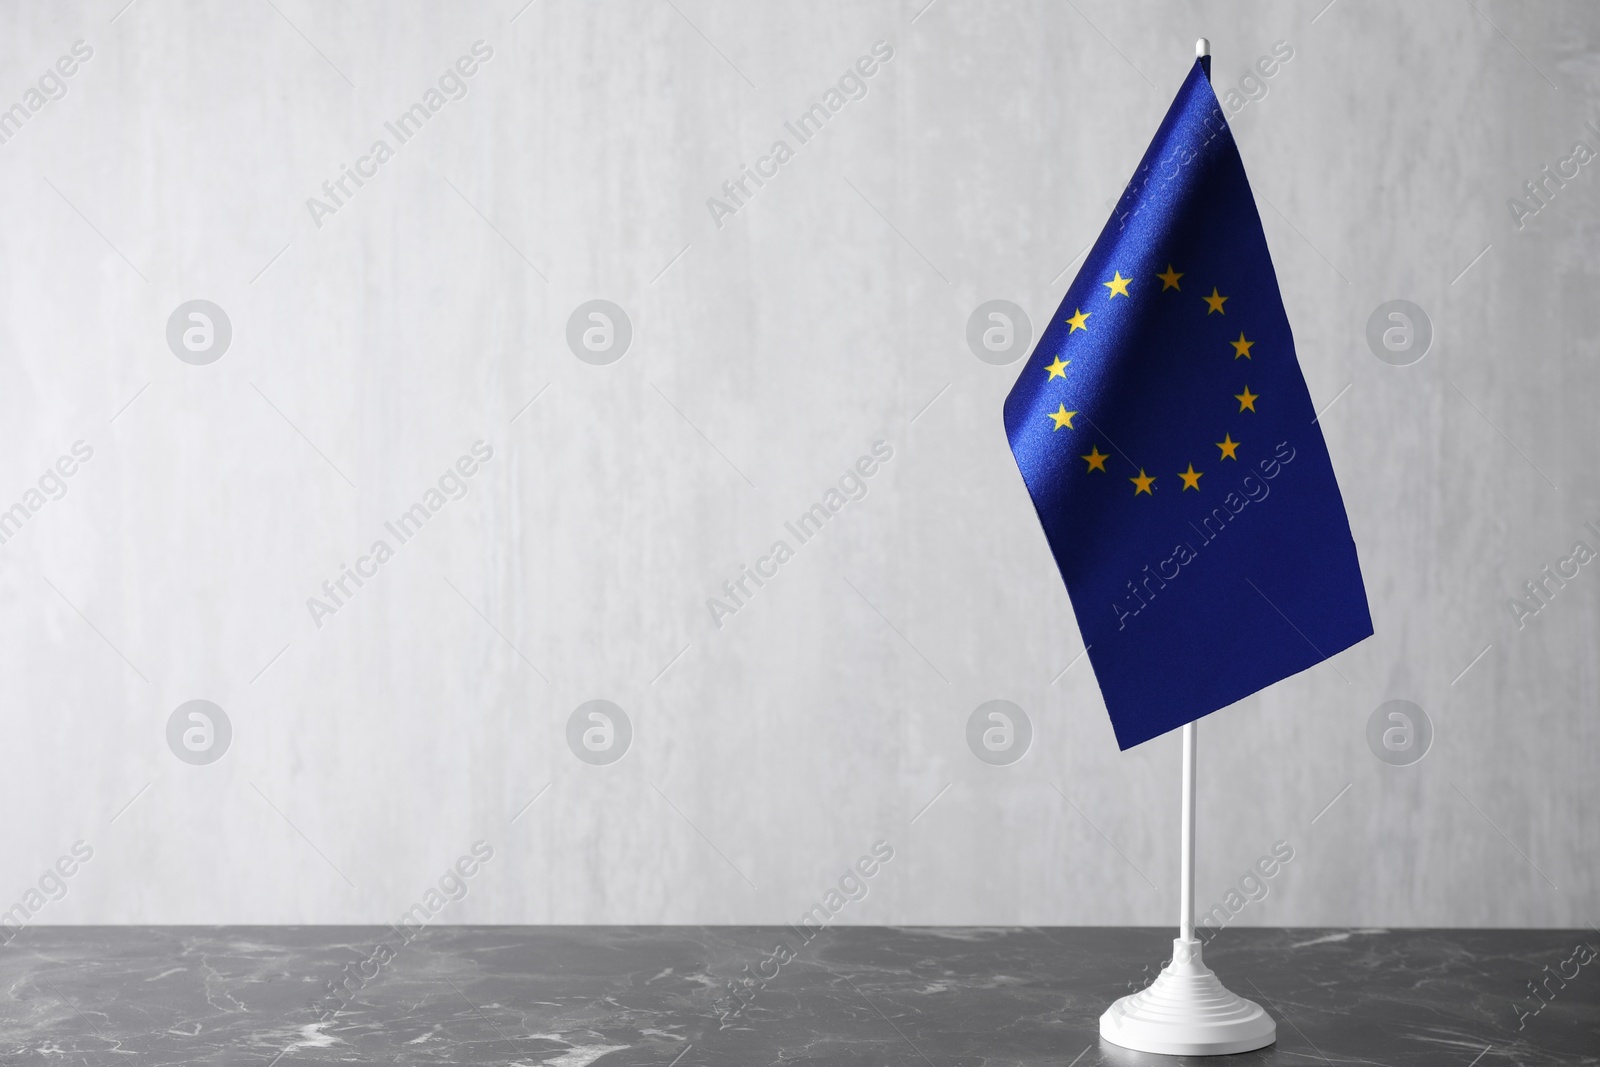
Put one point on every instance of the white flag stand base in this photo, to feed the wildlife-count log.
(1187, 1012)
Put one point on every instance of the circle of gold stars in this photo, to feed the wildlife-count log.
(1095, 459)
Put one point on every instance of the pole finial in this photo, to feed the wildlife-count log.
(1202, 48)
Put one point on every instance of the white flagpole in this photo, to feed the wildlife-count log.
(1202, 50)
(1186, 1011)
(1186, 862)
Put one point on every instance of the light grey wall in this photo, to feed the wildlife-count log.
(768, 354)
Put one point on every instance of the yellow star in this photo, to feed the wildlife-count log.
(1247, 399)
(1063, 417)
(1215, 300)
(1228, 445)
(1057, 369)
(1097, 459)
(1142, 483)
(1169, 280)
(1191, 478)
(1117, 284)
(1077, 321)
(1241, 347)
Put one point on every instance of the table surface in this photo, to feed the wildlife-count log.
(854, 996)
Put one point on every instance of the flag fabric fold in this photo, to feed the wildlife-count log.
(1168, 440)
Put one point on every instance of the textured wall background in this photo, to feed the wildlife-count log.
(829, 312)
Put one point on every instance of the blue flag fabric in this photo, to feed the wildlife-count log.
(1169, 443)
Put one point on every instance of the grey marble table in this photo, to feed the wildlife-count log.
(572, 996)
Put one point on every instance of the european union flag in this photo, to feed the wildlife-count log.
(1169, 443)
